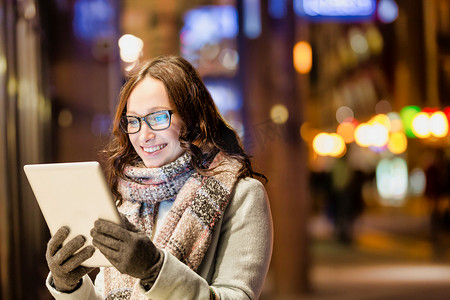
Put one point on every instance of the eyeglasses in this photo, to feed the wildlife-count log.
(158, 120)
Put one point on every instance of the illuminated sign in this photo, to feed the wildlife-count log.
(335, 8)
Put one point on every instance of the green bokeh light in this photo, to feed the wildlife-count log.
(407, 114)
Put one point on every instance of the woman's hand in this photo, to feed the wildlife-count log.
(64, 263)
(130, 252)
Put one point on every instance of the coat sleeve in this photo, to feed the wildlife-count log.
(86, 291)
(243, 253)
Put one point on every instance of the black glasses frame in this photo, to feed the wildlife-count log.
(124, 122)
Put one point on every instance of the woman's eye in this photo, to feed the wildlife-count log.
(133, 122)
(160, 118)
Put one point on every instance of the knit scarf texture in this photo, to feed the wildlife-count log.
(186, 233)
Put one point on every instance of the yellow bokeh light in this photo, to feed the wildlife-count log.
(397, 143)
(347, 131)
(381, 119)
(279, 114)
(303, 57)
(421, 125)
(338, 148)
(322, 144)
(438, 124)
(362, 135)
(325, 144)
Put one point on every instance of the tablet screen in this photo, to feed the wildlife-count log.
(73, 195)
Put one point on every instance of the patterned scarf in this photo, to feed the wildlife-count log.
(199, 203)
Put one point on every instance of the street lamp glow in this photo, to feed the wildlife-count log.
(421, 125)
(438, 124)
(338, 143)
(322, 144)
(303, 57)
(362, 135)
(130, 48)
(379, 135)
(329, 144)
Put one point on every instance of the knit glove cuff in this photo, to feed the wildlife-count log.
(147, 283)
(65, 288)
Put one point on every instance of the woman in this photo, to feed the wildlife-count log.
(196, 224)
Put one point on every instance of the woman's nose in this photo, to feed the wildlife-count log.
(146, 133)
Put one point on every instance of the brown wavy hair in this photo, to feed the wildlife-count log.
(204, 132)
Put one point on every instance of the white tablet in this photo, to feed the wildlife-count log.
(73, 195)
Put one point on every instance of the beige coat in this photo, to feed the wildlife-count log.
(235, 265)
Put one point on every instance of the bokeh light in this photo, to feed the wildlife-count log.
(130, 48)
(279, 114)
(358, 41)
(229, 58)
(381, 119)
(339, 147)
(379, 135)
(362, 135)
(326, 144)
(387, 11)
(252, 18)
(347, 131)
(438, 124)
(420, 125)
(322, 144)
(397, 143)
(93, 19)
(392, 181)
(407, 114)
(335, 8)
(344, 113)
(303, 57)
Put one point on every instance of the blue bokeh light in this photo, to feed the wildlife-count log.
(252, 18)
(93, 18)
(340, 9)
(387, 11)
(209, 25)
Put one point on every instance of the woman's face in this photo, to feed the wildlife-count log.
(156, 148)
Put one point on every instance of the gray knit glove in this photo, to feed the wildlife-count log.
(130, 252)
(63, 263)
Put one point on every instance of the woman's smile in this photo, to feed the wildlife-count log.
(154, 149)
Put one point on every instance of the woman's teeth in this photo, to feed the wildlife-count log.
(153, 149)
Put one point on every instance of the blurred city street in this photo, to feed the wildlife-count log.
(343, 105)
(392, 257)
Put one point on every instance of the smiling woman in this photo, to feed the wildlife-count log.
(183, 184)
(154, 146)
